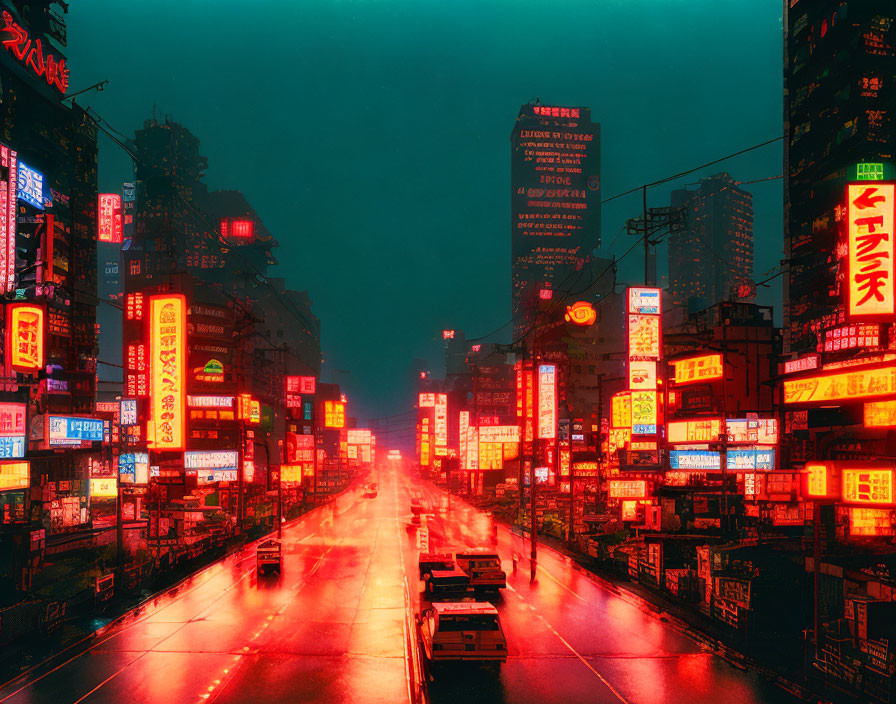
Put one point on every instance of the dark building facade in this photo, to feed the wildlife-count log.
(712, 256)
(555, 202)
(839, 103)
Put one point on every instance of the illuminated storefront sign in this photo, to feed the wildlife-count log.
(12, 419)
(843, 386)
(644, 301)
(547, 401)
(127, 411)
(291, 473)
(103, 488)
(305, 385)
(880, 414)
(499, 433)
(334, 414)
(15, 475)
(447, 334)
(644, 336)
(642, 375)
(109, 218)
(30, 186)
(644, 412)
(871, 486)
(697, 430)
(195, 460)
(627, 489)
(12, 447)
(704, 368)
(473, 447)
(73, 430)
(424, 442)
(358, 436)
(694, 459)
(750, 458)
(238, 229)
(820, 481)
(25, 337)
(210, 402)
(802, 364)
(870, 171)
(621, 410)
(33, 54)
(133, 468)
(755, 431)
(212, 372)
(168, 344)
(440, 425)
(581, 313)
(871, 230)
(870, 522)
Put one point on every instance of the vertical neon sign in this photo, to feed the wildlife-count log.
(871, 223)
(547, 402)
(441, 425)
(168, 344)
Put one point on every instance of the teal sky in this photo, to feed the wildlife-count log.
(372, 136)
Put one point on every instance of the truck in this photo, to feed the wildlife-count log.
(484, 568)
(268, 557)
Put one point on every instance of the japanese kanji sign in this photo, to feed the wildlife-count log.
(871, 290)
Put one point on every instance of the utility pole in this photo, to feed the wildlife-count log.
(533, 524)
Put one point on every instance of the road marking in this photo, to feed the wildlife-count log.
(573, 650)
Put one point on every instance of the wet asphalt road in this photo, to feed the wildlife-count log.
(332, 627)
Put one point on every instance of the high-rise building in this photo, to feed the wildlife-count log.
(839, 102)
(555, 202)
(711, 258)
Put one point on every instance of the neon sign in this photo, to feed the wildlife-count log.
(581, 313)
(627, 489)
(195, 460)
(880, 414)
(499, 433)
(644, 336)
(238, 229)
(426, 400)
(843, 386)
(644, 301)
(441, 425)
(168, 342)
(547, 401)
(644, 412)
(551, 111)
(694, 369)
(621, 410)
(25, 337)
(801, 364)
(9, 162)
(109, 218)
(870, 172)
(15, 475)
(334, 414)
(694, 459)
(874, 487)
(447, 334)
(103, 488)
(30, 186)
(641, 375)
(871, 230)
(751, 458)
(819, 481)
(697, 430)
(30, 53)
(463, 424)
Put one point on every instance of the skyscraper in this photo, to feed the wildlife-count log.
(555, 202)
(839, 102)
(712, 257)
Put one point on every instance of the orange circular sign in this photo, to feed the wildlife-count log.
(581, 313)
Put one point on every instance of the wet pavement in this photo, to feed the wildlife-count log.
(331, 628)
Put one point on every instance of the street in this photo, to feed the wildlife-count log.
(332, 628)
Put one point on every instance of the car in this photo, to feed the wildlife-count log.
(268, 557)
(484, 567)
(452, 584)
(370, 491)
(468, 631)
(429, 561)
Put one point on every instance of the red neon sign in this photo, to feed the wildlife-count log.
(581, 313)
(871, 223)
(25, 337)
(109, 218)
(8, 161)
(553, 111)
(31, 53)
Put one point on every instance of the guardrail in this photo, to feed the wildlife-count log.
(416, 677)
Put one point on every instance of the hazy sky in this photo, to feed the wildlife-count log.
(372, 136)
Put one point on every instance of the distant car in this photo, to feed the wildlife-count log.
(370, 491)
(462, 631)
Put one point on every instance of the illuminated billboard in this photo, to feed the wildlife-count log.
(694, 369)
(301, 385)
(8, 216)
(696, 430)
(644, 412)
(440, 425)
(168, 347)
(694, 459)
(334, 414)
(463, 424)
(14, 475)
(103, 488)
(109, 218)
(25, 337)
(641, 375)
(547, 401)
(741, 458)
(195, 460)
(842, 386)
(73, 430)
(621, 410)
(225, 402)
(868, 487)
(880, 414)
(426, 400)
(821, 480)
(644, 336)
(30, 186)
(627, 489)
(870, 215)
(644, 301)
(133, 468)
(499, 433)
